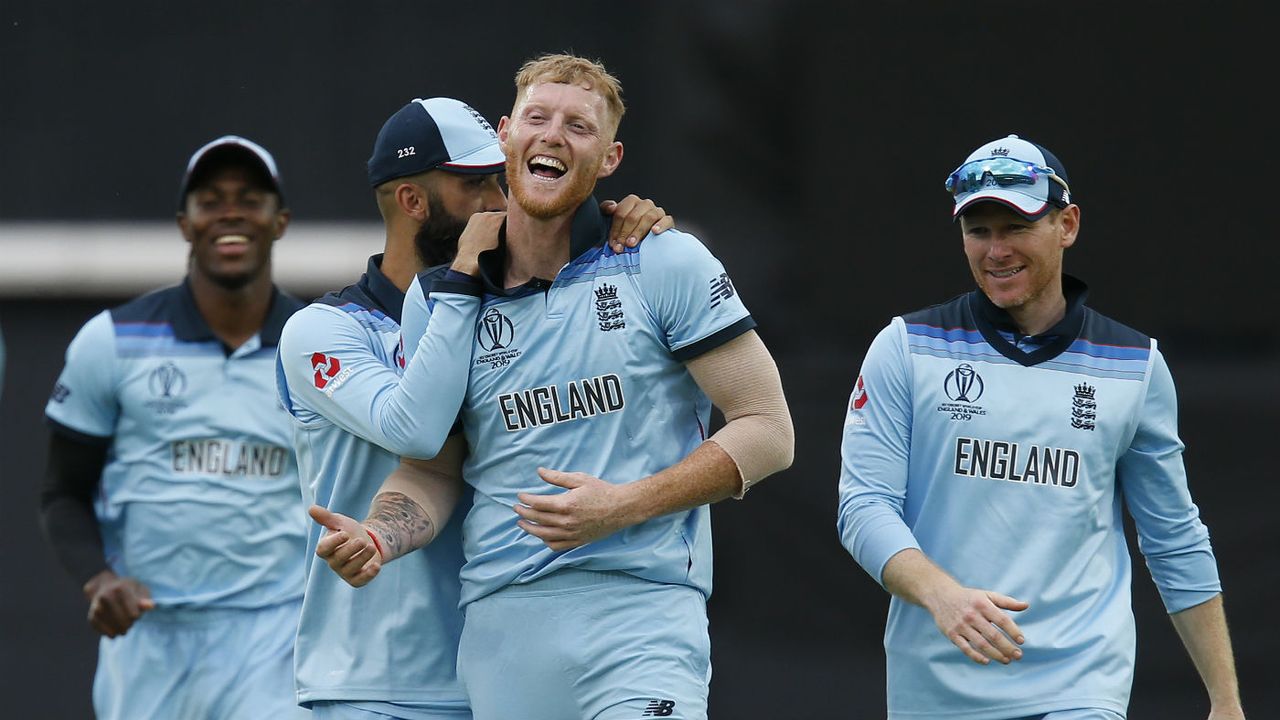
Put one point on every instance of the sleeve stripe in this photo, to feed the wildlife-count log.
(714, 340)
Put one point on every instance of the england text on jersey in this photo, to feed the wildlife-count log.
(538, 406)
(228, 457)
(1004, 460)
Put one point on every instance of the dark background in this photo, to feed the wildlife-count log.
(806, 143)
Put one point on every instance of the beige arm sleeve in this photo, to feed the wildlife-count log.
(434, 484)
(742, 380)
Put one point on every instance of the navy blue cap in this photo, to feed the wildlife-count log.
(230, 150)
(435, 133)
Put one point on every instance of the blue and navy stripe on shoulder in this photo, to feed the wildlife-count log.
(144, 327)
(1103, 348)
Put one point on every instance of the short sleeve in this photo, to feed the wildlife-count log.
(690, 294)
(83, 403)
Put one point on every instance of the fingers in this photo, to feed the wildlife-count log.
(114, 611)
(541, 517)
(324, 517)
(330, 543)
(562, 479)
(556, 538)
(354, 559)
(633, 218)
(1006, 602)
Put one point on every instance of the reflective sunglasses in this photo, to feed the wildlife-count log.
(1004, 172)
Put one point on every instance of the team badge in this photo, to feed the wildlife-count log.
(1084, 408)
(609, 308)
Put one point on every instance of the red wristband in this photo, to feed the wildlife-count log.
(376, 544)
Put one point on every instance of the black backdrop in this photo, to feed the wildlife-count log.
(806, 143)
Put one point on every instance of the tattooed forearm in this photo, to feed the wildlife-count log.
(400, 523)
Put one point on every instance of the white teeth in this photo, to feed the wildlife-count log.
(549, 162)
(1006, 273)
(232, 240)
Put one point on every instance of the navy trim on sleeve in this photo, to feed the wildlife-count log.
(714, 340)
(473, 288)
(72, 433)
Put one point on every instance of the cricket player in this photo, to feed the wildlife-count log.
(390, 650)
(592, 375)
(172, 492)
(989, 446)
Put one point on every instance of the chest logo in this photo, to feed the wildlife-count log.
(964, 384)
(609, 308)
(495, 334)
(167, 383)
(1084, 408)
(496, 331)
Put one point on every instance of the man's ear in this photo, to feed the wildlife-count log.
(612, 159)
(412, 201)
(184, 225)
(1069, 218)
(280, 223)
(503, 130)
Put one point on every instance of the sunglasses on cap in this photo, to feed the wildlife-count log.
(1003, 172)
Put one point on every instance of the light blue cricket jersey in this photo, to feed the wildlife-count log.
(340, 364)
(1005, 459)
(586, 374)
(199, 496)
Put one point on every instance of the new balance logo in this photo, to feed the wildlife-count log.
(659, 708)
(721, 289)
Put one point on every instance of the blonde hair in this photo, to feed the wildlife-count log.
(573, 70)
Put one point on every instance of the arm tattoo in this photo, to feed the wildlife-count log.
(401, 524)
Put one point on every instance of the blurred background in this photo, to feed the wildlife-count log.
(805, 142)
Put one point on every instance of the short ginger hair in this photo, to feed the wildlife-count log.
(573, 70)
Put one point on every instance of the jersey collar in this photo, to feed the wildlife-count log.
(992, 321)
(379, 288)
(190, 326)
(586, 232)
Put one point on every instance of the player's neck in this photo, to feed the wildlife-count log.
(1042, 312)
(234, 315)
(400, 261)
(536, 247)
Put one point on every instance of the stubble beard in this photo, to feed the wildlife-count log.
(580, 186)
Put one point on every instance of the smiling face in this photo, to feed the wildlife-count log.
(558, 142)
(1018, 263)
(231, 221)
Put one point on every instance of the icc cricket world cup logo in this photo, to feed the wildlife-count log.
(963, 384)
(167, 381)
(496, 331)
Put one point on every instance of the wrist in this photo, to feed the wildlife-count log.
(377, 544)
(90, 587)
